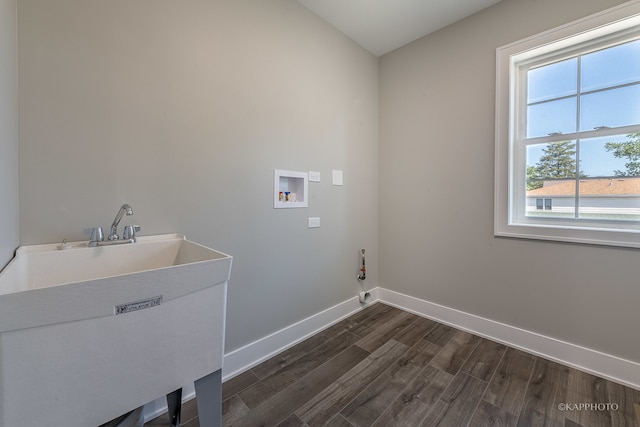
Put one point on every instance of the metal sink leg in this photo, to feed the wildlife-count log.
(209, 399)
(174, 404)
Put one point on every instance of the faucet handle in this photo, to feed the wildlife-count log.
(130, 231)
(96, 236)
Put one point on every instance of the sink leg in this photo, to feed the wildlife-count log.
(209, 399)
(174, 404)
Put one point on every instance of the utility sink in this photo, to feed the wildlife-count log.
(90, 333)
(43, 285)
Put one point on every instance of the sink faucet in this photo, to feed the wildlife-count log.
(124, 209)
(129, 236)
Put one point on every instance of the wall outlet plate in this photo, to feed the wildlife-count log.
(314, 176)
(337, 177)
(314, 222)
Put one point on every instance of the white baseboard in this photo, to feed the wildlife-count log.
(595, 362)
(604, 365)
(244, 358)
(610, 367)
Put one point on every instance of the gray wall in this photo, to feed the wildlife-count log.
(9, 228)
(436, 193)
(183, 110)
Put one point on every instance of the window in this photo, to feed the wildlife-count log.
(568, 132)
(545, 204)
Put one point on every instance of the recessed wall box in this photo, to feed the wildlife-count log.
(291, 189)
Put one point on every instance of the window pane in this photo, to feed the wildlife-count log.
(615, 199)
(556, 160)
(550, 180)
(551, 117)
(559, 199)
(612, 108)
(614, 66)
(605, 157)
(552, 81)
(610, 186)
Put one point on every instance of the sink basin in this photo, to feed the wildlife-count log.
(87, 334)
(43, 285)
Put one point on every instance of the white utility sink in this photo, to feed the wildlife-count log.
(90, 333)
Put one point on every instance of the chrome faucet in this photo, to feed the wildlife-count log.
(129, 235)
(124, 209)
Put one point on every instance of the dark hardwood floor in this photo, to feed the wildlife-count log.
(386, 367)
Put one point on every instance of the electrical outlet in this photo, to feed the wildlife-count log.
(314, 176)
(337, 177)
(314, 222)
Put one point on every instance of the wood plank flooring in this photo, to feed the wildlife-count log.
(386, 367)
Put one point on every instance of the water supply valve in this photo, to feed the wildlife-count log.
(363, 269)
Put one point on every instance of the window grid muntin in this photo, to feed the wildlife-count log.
(588, 92)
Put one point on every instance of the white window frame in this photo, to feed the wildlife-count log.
(510, 220)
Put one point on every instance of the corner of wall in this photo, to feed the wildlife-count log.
(9, 225)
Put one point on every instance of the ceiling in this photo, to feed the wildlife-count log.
(381, 26)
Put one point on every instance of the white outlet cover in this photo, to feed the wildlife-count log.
(314, 176)
(314, 222)
(337, 177)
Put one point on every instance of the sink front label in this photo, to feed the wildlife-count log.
(138, 305)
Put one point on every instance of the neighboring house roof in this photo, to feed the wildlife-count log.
(588, 187)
